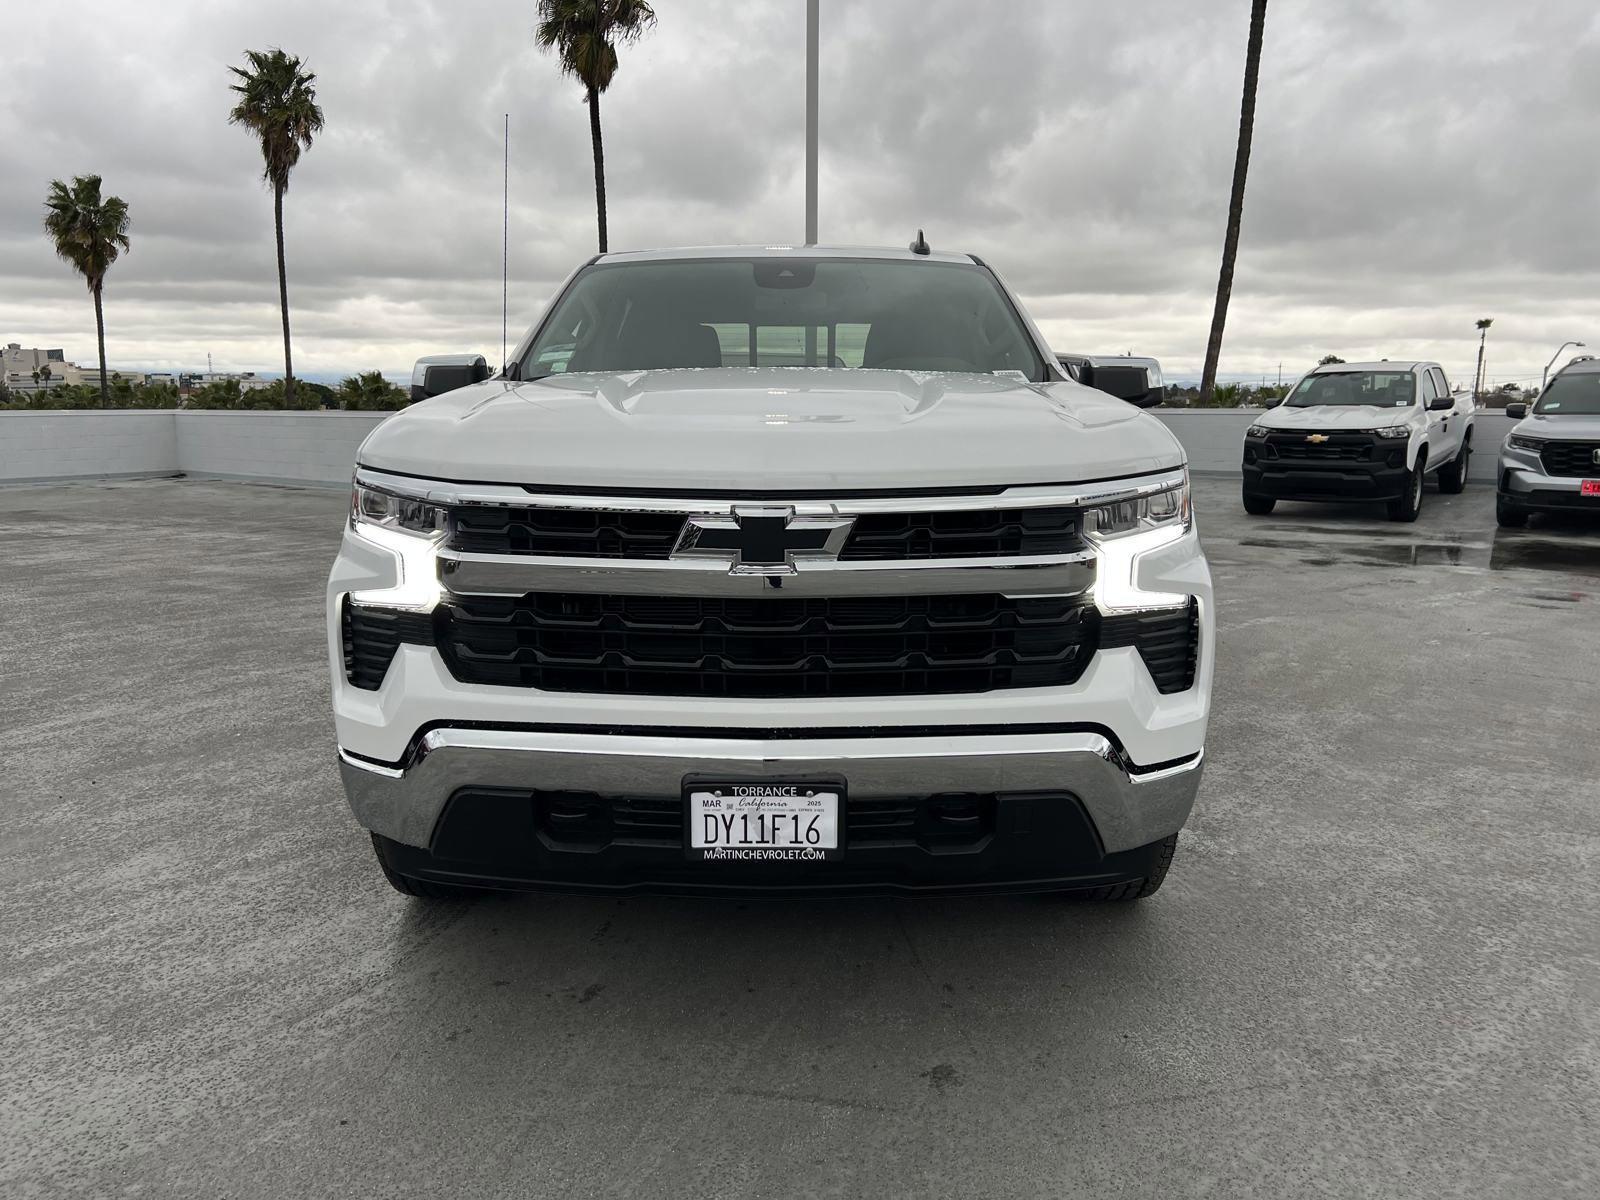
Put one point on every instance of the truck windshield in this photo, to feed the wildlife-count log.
(783, 312)
(1390, 389)
(1575, 394)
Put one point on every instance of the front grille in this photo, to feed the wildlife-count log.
(812, 646)
(1571, 459)
(372, 635)
(963, 534)
(621, 534)
(564, 532)
(590, 820)
(1168, 642)
(1340, 447)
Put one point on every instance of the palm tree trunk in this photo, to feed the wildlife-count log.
(283, 297)
(100, 334)
(599, 164)
(1241, 168)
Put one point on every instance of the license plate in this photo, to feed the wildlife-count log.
(1589, 487)
(764, 822)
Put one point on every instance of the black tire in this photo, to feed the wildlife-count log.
(1508, 515)
(1453, 475)
(1258, 506)
(423, 889)
(1410, 504)
(1138, 889)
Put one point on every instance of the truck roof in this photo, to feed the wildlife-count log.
(902, 253)
(1392, 364)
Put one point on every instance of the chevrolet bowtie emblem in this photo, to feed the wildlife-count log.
(1317, 437)
(762, 541)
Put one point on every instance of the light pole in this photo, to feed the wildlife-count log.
(1552, 363)
(812, 21)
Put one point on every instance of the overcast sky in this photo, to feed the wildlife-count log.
(1418, 164)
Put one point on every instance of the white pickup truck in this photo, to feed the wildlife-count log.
(1360, 431)
(771, 570)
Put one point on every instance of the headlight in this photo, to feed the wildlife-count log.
(1394, 431)
(369, 506)
(1257, 431)
(410, 530)
(1522, 442)
(1125, 517)
(1123, 532)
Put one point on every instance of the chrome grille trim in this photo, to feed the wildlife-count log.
(503, 575)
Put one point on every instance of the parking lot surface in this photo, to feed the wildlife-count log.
(1374, 970)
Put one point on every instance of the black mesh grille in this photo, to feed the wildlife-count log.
(1168, 642)
(570, 532)
(1571, 459)
(588, 819)
(963, 534)
(372, 635)
(1340, 447)
(599, 533)
(693, 646)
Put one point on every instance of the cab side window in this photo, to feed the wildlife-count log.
(1439, 381)
(1426, 390)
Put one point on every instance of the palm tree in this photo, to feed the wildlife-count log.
(89, 231)
(278, 103)
(585, 35)
(1241, 168)
(1483, 335)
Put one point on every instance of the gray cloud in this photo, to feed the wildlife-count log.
(1417, 165)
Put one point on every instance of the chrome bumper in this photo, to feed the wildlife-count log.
(1516, 478)
(1129, 808)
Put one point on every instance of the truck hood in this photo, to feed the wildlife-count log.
(1336, 416)
(771, 429)
(1583, 427)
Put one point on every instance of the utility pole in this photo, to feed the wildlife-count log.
(813, 22)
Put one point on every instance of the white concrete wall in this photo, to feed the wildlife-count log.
(320, 447)
(84, 444)
(284, 447)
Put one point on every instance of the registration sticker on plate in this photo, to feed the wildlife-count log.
(763, 822)
(1589, 487)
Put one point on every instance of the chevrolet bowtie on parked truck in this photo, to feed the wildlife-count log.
(772, 570)
(1550, 462)
(1360, 431)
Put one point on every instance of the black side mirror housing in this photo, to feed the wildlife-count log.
(1275, 402)
(1517, 411)
(1440, 403)
(436, 374)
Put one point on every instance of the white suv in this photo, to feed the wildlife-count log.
(1360, 431)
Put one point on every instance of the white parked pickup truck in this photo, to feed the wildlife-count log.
(1360, 431)
(771, 570)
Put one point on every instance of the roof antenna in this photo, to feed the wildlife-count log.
(920, 246)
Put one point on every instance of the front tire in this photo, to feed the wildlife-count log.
(1258, 506)
(423, 889)
(1409, 505)
(1138, 889)
(1508, 515)
(1453, 475)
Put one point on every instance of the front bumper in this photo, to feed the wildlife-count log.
(1334, 480)
(1530, 488)
(1043, 809)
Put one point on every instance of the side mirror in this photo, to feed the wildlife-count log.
(1275, 402)
(1517, 410)
(1440, 403)
(436, 374)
